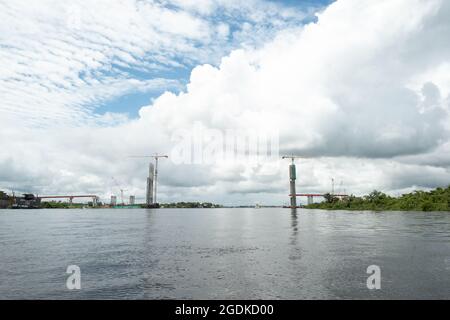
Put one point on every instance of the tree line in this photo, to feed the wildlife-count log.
(190, 205)
(434, 200)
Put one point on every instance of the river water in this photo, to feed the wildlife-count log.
(223, 254)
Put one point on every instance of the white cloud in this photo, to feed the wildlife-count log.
(61, 60)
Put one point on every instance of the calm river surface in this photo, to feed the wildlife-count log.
(223, 254)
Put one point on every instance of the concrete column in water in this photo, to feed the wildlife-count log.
(292, 177)
(150, 184)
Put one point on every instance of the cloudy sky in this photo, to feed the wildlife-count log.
(359, 88)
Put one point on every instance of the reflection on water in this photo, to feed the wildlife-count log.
(223, 254)
(294, 222)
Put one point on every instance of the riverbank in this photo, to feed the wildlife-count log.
(434, 200)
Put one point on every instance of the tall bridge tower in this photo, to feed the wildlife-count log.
(150, 179)
(292, 178)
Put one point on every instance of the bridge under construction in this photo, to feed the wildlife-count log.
(71, 197)
(310, 196)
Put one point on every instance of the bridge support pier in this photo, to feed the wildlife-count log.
(292, 177)
(310, 200)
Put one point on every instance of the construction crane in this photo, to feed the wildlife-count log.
(292, 178)
(156, 157)
(291, 157)
(121, 190)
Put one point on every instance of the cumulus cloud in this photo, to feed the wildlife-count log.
(362, 94)
(60, 60)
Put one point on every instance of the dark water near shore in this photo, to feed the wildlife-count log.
(223, 254)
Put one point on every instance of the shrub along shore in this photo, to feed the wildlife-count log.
(435, 200)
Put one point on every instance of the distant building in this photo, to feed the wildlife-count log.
(132, 200)
(28, 201)
(5, 200)
(113, 201)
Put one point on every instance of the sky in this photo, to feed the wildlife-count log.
(359, 89)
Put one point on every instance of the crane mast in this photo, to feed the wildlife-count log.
(155, 182)
(121, 190)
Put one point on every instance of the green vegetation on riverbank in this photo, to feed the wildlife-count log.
(61, 205)
(190, 205)
(435, 200)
